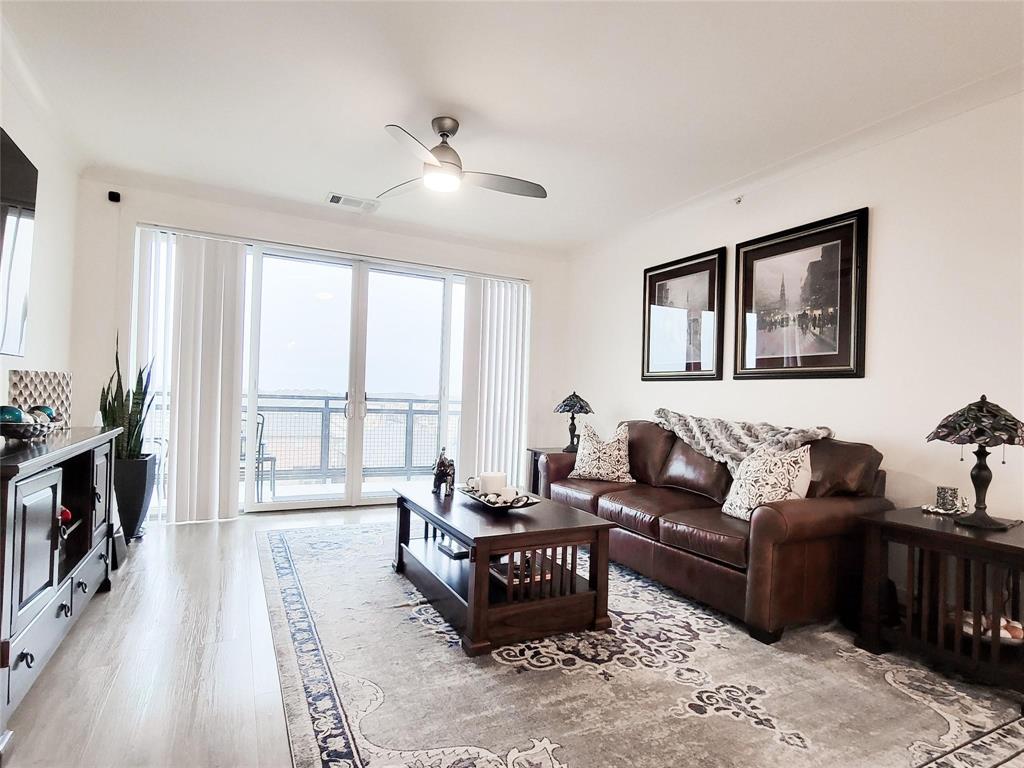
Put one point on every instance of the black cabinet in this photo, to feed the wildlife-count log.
(55, 498)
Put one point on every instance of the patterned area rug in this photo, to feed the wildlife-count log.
(373, 676)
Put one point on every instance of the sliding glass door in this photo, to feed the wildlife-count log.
(351, 370)
(408, 417)
(299, 381)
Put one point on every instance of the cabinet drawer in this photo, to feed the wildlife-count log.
(32, 648)
(87, 579)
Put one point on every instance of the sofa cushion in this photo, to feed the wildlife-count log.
(583, 494)
(839, 468)
(689, 470)
(639, 508)
(764, 477)
(598, 459)
(708, 533)
(649, 445)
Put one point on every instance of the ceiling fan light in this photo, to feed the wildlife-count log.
(441, 179)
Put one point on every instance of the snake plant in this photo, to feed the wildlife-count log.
(127, 409)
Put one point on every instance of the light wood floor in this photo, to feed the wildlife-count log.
(175, 666)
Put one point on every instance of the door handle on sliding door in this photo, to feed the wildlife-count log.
(348, 408)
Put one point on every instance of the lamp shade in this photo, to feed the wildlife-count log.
(980, 423)
(573, 404)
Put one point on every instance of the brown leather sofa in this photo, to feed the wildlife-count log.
(795, 561)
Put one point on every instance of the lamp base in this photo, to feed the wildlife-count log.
(574, 439)
(981, 476)
(983, 521)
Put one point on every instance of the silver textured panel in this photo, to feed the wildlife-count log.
(53, 388)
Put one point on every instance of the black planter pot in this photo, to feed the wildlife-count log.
(134, 480)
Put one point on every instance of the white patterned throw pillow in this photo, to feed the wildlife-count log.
(598, 460)
(764, 477)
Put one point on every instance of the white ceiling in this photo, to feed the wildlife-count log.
(620, 110)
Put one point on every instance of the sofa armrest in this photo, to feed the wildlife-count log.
(552, 467)
(804, 562)
(804, 519)
(879, 489)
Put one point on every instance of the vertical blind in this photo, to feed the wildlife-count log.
(189, 324)
(495, 376)
(206, 385)
(154, 281)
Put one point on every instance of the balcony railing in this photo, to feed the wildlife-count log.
(305, 437)
(308, 435)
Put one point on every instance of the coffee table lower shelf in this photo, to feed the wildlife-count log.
(444, 582)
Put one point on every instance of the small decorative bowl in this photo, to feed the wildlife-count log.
(519, 502)
(27, 430)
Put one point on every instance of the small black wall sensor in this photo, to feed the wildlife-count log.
(114, 197)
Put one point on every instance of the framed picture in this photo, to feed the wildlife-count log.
(684, 313)
(800, 301)
(17, 223)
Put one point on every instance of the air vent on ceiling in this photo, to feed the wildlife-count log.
(354, 204)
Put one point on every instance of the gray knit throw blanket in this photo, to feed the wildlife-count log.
(730, 442)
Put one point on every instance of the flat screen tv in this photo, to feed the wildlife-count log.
(18, 178)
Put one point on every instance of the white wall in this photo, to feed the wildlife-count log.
(103, 276)
(945, 298)
(34, 130)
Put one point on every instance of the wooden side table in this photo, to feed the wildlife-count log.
(952, 575)
(535, 454)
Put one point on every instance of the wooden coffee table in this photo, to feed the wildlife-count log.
(500, 578)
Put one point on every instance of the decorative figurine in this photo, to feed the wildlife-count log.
(947, 499)
(444, 474)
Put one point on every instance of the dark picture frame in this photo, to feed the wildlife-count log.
(18, 184)
(678, 296)
(801, 301)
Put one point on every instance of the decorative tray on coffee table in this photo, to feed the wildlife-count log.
(520, 502)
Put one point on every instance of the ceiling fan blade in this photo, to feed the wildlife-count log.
(401, 189)
(411, 143)
(508, 184)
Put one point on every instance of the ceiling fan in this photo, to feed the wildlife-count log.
(442, 166)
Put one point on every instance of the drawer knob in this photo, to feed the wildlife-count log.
(27, 658)
(103, 557)
(64, 610)
(83, 587)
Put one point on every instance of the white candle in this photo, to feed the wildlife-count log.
(492, 482)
